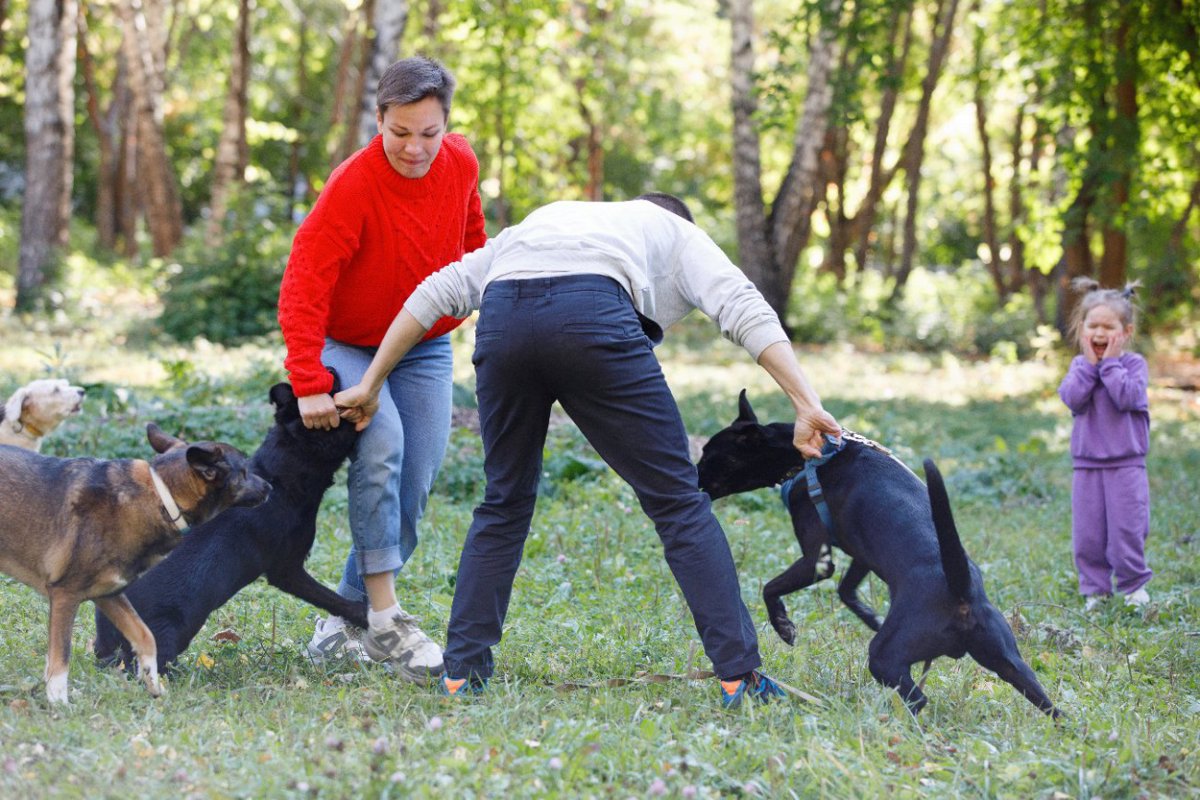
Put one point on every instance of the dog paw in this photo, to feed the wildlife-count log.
(56, 689)
(786, 630)
(148, 672)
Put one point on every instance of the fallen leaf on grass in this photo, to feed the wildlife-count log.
(226, 635)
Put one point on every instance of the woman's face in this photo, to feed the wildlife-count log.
(412, 135)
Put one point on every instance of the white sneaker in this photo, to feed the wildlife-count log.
(1137, 599)
(335, 641)
(405, 648)
(1094, 601)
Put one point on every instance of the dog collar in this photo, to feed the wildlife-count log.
(169, 504)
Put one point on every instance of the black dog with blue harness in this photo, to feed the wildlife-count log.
(859, 497)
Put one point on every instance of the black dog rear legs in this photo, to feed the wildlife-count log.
(806, 571)
(848, 592)
(994, 647)
(296, 581)
(890, 664)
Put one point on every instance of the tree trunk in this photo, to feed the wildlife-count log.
(106, 232)
(754, 245)
(864, 220)
(791, 213)
(125, 180)
(297, 182)
(1123, 152)
(915, 149)
(350, 136)
(344, 79)
(431, 25)
(834, 160)
(144, 50)
(990, 236)
(230, 168)
(49, 142)
(1016, 203)
(389, 19)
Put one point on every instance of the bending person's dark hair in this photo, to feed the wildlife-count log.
(668, 201)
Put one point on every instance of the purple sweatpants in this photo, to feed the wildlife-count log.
(1110, 511)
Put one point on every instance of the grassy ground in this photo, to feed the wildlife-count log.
(595, 604)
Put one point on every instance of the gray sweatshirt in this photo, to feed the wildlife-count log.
(666, 264)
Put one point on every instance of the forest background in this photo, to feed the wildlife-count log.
(837, 148)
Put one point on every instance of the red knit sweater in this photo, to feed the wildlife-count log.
(371, 238)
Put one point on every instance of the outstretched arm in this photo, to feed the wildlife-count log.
(812, 420)
(360, 402)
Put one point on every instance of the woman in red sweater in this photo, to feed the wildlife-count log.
(391, 214)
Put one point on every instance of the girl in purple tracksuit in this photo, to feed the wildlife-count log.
(1105, 388)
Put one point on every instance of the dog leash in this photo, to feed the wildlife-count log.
(172, 508)
(812, 484)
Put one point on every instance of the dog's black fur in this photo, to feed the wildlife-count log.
(889, 524)
(220, 557)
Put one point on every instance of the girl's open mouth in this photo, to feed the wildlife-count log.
(1099, 347)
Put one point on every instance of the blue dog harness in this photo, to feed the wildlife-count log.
(808, 474)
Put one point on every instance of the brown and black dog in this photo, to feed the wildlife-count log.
(81, 529)
(889, 524)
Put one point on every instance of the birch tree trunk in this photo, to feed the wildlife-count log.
(229, 170)
(389, 21)
(754, 245)
(50, 142)
(144, 46)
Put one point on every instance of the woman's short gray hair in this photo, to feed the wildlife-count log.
(410, 80)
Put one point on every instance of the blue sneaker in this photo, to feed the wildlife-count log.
(753, 684)
(460, 687)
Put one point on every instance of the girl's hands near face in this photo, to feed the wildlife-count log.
(1116, 344)
(1086, 349)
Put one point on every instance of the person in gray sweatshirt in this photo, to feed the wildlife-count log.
(571, 303)
(1105, 388)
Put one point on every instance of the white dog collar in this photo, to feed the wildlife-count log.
(168, 501)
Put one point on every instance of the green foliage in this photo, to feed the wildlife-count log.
(228, 293)
(941, 311)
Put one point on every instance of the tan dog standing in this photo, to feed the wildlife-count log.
(81, 529)
(36, 409)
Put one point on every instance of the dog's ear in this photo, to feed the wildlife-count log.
(14, 407)
(207, 460)
(160, 440)
(745, 412)
(281, 394)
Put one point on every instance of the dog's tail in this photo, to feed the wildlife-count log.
(954, 558)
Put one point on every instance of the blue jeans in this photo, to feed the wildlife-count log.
(578, 340)
(397, 457)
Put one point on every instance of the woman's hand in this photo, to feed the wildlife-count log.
(317, 411)
(358, 404)
(811, 427)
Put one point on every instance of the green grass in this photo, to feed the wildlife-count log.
(594, 602)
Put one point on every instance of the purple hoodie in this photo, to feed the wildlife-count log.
(1111, 410)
